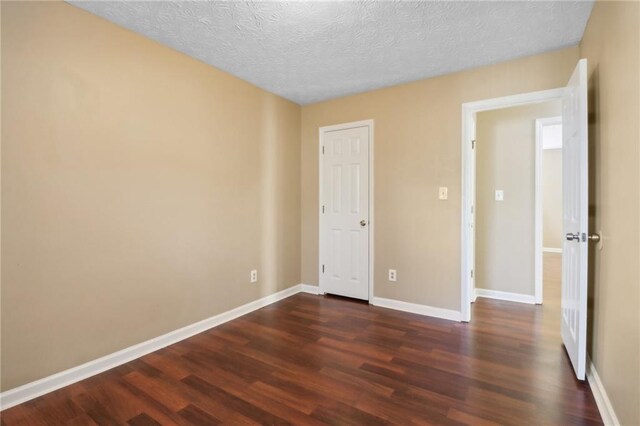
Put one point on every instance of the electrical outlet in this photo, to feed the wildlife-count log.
(392, 275)
(499, 195)
(254, 276)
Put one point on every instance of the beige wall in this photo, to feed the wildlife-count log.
(611, 45)
(139, 188)
(198, 181)
(417, 149)
(505, 230)
(552, 198)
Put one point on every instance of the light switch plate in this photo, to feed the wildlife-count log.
(499, 195)
(443, 193)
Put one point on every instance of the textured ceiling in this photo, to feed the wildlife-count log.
(312, 51)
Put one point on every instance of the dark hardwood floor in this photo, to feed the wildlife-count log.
(327, 360)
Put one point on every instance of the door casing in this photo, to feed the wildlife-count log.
(539, 195)
(467, 254)
(322, 131)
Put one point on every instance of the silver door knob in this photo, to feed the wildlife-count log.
(594, 237)
(363, 222)
(572, 237)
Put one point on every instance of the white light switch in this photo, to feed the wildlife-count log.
(499, 195)
(442, 193)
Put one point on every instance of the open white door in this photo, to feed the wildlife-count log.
(575, 218)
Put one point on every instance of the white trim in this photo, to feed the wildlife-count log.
(515, 100)
(415, 308)
(467, 234)
(538, 213)
(64, 378)
(311, 289)
(539, 197)
(551, 250)
(607, 413)
(467, 248)
(48, 384)
(343, 126)
(468, 221)
(505, 295)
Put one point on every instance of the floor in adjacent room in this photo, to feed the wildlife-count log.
(318, 360)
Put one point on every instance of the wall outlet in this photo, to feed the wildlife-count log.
(254, 276)
(392, 275)
(443, 193)
(499, 195)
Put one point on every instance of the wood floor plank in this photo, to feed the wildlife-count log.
(237, 404)
(196, 416)
(330, 360)
(143, 419)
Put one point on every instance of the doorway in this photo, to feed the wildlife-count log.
(495, 196)
(575, 186)
(346, 210)
(510, 192)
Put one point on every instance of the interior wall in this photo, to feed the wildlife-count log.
(611, 44)
(552, 198)
(139, 188)
(417, 149)
(505, 230)
(184, 176)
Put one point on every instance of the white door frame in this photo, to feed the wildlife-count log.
(469, 111)
(322, 131)
(539, 196)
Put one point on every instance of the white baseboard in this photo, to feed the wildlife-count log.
(552, 250)
(48, 384)
(64, 378)
(505, 295)
(415, 308)
(311, 289)
(609, 417)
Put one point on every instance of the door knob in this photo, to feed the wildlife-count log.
(572, 237)
(594, 237)
(363, 222)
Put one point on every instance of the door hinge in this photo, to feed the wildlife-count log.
(323, 149)
(472, 273)
(473, 144)
(322, 209)
(323, 269)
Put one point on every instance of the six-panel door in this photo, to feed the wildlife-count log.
(344, 213)
(575, 194)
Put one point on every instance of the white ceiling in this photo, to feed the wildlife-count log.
(312, 51)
